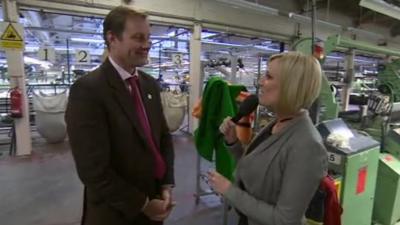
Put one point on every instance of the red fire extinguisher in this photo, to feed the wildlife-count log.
(16, 102)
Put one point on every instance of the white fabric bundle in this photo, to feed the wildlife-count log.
(339, 140)
(174, 106)
(50, 111)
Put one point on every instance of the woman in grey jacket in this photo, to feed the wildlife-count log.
(279, 172)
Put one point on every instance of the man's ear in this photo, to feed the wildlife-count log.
(110, 36)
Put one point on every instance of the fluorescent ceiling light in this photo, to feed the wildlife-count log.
(171, 34)
(159, 37)
(86, 40)
(222, 44)
(35, 48)
(266, 48)
(31, 48)
(36, 61)
(382, 7)
(64, 49)
(168, 38)
(251, 6)
(205, 35)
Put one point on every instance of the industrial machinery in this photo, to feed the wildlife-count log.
(387, 195)
(387, 203)
(361, 163)
(329, 107)
(355, 160)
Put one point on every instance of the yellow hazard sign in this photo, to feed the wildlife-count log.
(10, 36)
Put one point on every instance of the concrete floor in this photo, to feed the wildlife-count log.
(43, 189)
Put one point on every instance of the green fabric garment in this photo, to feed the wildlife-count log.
(218, 102)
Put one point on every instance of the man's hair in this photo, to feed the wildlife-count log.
(116, 19)
(300, 81)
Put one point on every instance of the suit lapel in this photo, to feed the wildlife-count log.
(122, 95)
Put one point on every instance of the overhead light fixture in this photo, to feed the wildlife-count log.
(205, 35)
(223, 44)
(30, 60)
(307, 20)
(86, 40)
(63, 49)
(251, 6)
(154, 37)
(43, 64)
(266, 48)
(172, 34)
(31, 49)
(382, 7)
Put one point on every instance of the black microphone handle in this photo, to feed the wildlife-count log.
(236, 118)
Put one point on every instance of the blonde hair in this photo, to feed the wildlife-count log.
(300, 81)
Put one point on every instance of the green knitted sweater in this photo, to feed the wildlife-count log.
(218, 102)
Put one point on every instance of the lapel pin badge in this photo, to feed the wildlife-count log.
(149, 96)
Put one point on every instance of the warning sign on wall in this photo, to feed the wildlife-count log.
(11, 36)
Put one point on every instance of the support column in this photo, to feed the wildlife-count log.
(196, 73)
(348, 82)
(234, 66)
(16, 72)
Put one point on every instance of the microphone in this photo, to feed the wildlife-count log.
(246, 107)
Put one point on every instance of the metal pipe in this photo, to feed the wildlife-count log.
(82, 3)
(339, 41)
(251, 6)
(204, 22)
(348, 79)
(159, 61)
(328, 9)
(234, 65)
(256, 116)
(281, 46)
(313, 25)
(68, 63)
(62, 30)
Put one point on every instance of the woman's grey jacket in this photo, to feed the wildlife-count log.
(280, 172)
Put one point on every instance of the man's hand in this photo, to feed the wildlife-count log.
(156, 210)
(159, 209)
(166, 195)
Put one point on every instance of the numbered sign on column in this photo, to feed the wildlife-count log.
(47, 53)
(177, 59)
(82, 57)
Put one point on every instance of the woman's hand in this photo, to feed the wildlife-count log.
(218, 182)
(228, 129)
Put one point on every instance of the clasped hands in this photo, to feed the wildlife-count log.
(159, 209)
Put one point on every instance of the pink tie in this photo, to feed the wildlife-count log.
(160, 167)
